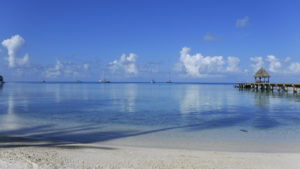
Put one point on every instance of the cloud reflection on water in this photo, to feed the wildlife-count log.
(124, 97)
(10, 120)
(203, 98)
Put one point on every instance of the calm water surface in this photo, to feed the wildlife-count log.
(189, 116)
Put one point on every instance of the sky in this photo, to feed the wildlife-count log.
(140, 40)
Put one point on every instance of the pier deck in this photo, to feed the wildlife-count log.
(285, 87)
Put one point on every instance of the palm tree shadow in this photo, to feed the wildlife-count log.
(73, 137)
(14, 142)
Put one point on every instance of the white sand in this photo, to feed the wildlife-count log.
(20, 153)
(45, 155)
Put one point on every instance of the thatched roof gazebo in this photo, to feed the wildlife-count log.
(262, 76)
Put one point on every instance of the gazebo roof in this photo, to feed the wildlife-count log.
(262, 73)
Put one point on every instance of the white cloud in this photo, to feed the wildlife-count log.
(233, 64)
(23, 61)
(125, 64)
(198, 65)
(274, 63)
(55, 71)
(258, 62)
(66, 69)
(210, 37)
(13, 45)
(242, 22)
(294, 68)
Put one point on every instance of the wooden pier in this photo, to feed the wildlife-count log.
(262, 83)
(280, 87)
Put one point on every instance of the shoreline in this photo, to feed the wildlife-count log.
(230, 146)
(27, 153)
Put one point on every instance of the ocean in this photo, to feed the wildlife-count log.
(165, 115)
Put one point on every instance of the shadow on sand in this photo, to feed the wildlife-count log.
(84, 136)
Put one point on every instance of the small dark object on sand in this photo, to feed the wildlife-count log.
(243, 130)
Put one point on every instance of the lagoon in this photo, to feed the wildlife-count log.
(214, 117)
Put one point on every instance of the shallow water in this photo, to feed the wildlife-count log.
(189, 116)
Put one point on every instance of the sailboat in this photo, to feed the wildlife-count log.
(152, 72)
(104, 80)
(169, 81)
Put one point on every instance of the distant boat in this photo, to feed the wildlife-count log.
(152, 81)
(169, 81)
(44, 81)
(104, 81)
(79, 81)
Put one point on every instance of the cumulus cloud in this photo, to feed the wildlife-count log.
(274, 63)
(210, 37)
(65, 69)
(55, 71)
(290, 67)
(198, 65)
(13, 45)
(126, 63)
(258, 62)
(23, 61)
(243, 22)
(294, 67)
(233, 64)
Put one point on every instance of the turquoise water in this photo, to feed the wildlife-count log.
(189, 116)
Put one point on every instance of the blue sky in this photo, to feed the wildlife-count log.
(138, 40)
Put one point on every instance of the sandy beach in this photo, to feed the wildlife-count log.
(150, 84)
(20, 153)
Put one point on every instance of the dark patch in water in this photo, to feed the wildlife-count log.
(243, 130)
